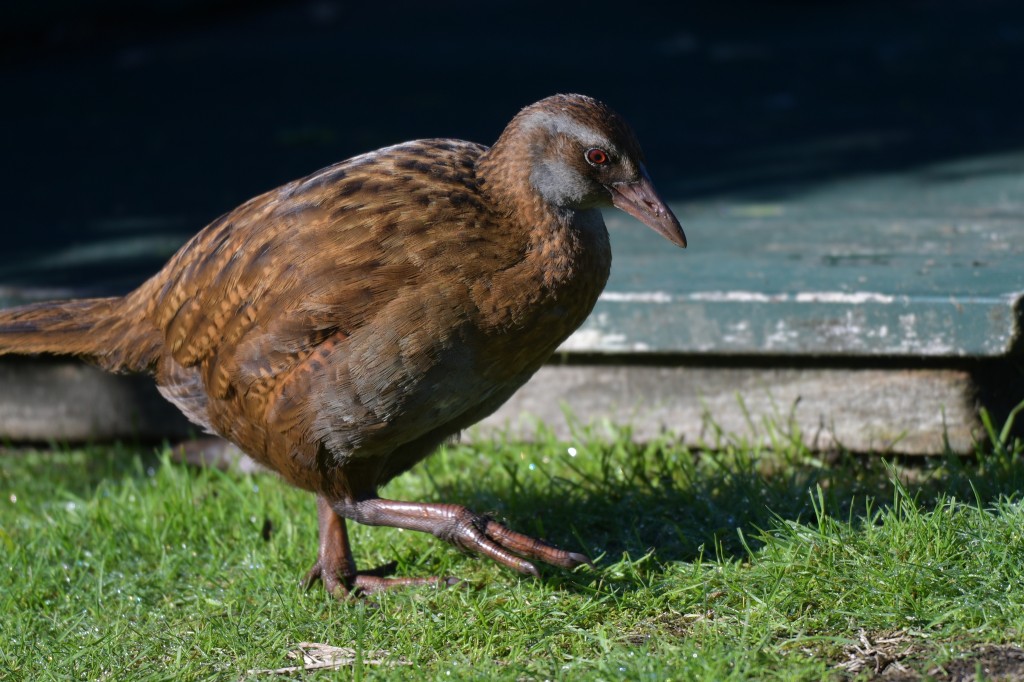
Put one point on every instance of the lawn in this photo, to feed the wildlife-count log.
(722, 560)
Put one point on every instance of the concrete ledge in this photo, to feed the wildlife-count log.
(894, 410)
(49, 399)
(907, 411)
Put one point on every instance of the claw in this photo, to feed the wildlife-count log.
(335, 566)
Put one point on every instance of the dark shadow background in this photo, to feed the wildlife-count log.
(127, 128)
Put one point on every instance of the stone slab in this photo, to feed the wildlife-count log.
(907, 411)
(47, 400)
(902, 411)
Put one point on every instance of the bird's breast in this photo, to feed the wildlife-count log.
(528, 309)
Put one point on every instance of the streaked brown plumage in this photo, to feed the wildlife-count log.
(339, 328)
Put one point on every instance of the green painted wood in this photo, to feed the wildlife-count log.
(928, 262)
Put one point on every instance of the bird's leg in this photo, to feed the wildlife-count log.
(466, 530)
(336, 567)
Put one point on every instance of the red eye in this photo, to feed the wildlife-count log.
(597, 157)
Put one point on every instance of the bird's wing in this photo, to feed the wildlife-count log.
(256, 292)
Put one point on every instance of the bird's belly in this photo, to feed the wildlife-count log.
(364, 415)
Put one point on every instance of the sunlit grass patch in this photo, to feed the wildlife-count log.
(743, 562)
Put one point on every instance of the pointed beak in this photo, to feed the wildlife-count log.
(640, 200)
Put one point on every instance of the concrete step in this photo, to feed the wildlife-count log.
(852, 187)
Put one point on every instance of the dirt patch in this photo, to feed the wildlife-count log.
(1004, 663)
(899, 657)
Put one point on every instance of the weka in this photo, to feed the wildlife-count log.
(341, 327)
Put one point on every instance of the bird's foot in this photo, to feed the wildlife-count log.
(362, 583)
(335, 566)
(470, 531)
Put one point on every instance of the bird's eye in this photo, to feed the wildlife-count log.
(597, 157)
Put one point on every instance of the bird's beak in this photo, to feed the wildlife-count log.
(640, 200)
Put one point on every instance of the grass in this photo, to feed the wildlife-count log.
(736, 563)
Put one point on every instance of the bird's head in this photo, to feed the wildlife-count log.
(584, 155)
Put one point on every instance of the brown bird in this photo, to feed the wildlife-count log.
(338, 329)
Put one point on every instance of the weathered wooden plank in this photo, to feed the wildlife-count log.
(812, 323)
(927, 263)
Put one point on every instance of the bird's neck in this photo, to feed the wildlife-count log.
(565, 256)
(505, 173)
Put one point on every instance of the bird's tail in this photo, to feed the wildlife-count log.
(94, 329)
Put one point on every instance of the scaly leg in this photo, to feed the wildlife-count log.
(336, 568)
